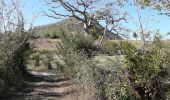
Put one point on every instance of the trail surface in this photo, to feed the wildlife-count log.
(45, 86)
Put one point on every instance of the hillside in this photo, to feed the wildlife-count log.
(70, 26)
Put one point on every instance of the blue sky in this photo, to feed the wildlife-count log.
(35, 8)
(156, 22)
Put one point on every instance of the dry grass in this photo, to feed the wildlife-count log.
(46, 44)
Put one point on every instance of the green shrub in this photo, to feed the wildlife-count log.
(15, 50)
(85, 44)
(146, 71)
(73, 50)
(36, 58)
(47, 35)
(53, 34)
(109, 47)
(47, 59)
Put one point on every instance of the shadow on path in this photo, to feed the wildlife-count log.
(42, 86)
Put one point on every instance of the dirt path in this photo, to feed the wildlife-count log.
(45, 86)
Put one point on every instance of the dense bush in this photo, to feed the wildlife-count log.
(35, 56)
(67, 53)
(103, 79)
(147, 70)
(75, 44)
(109, 47)
(53, 34)
(108, 82)
(47, 59)
(15, 49)
(144, 74)
(85, 44)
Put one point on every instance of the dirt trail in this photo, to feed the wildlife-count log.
(45, 86)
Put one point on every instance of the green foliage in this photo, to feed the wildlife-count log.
(47, 59)
(53, 34)
(36, 58)
(46, 35)
(162, 6)
(15, 50)
(128, 48)
(76, 44)
(85, 44)
(144, 73)
(119, 91)
(69, 53)
(92, 75)
(148, 69)
(109, 47)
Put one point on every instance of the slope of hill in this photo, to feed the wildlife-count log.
(71, 25)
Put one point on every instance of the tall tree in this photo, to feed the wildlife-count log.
(90, 13)
(162, 5)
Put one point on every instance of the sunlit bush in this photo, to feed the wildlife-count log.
(147, 70)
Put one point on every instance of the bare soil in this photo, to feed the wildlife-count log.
(43, 43)
(46, 86)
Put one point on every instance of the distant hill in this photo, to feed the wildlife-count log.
(70, 25)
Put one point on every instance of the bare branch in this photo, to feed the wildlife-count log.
(83, 11)
(57, 14)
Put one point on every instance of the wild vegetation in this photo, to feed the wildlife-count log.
(85, 56)
(15, 49)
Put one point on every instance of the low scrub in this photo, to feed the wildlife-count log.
(52, 34)
(15, 49)
(109, 47)
(94, 76)
(147, 70)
